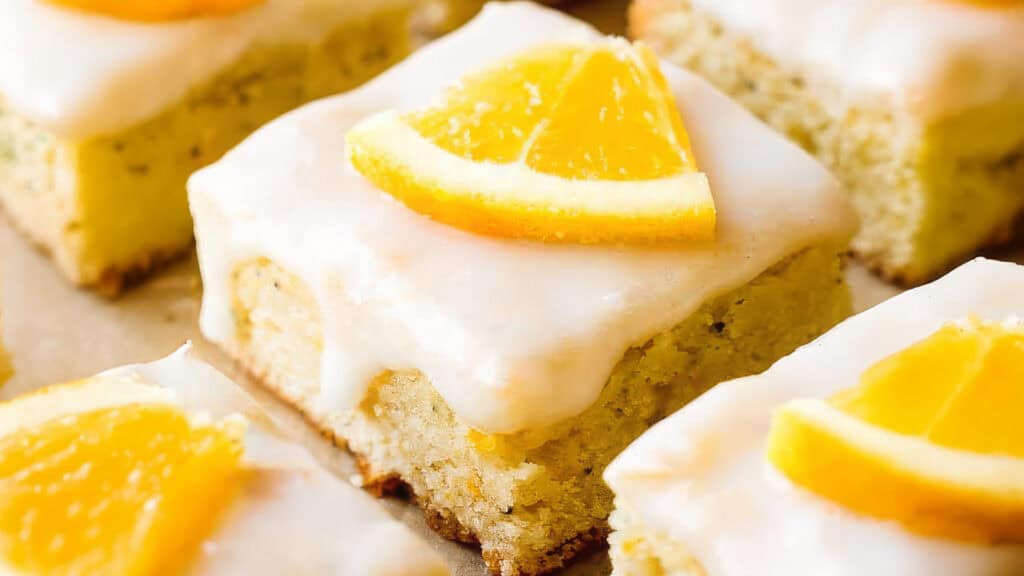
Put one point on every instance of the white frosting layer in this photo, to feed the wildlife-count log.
(701, 477)
(935, 57)
(292, 517)
(80, 75)
(512, 334)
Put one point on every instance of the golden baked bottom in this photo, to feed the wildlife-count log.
(532, 500)
(111, 208)
(927, 200)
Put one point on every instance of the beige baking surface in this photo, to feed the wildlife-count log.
(56, 333)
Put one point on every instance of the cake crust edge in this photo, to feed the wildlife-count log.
(392, 486)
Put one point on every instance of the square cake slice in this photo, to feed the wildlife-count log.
(168, 467)
(716, 487)
(497, 377)
(102, 119)
(917, 108)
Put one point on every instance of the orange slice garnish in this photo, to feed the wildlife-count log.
(117, 489)
(571, 142)
(932, 437)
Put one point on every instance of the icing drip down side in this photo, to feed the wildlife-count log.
(512, 334)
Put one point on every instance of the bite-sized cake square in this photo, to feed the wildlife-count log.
(892, 446)
(105, 113)
(917, 107)
(491, 268)
(170, 468)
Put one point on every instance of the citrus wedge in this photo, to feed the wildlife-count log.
(932, 437)
(109, 485)
(157, 10)
(567, 143)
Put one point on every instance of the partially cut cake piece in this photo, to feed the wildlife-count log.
(496, 376)
(917, 107)
(168, 467)
(892, 445)
(102, 118)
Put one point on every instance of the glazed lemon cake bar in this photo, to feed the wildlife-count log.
(169, 468)
(917, 107)
(542, 242)
(890, 446)
(106, 108)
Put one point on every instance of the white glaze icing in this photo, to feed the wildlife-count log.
(79, 75)
(934, 57)
(291, 517)
(512, 334)
(700, 476)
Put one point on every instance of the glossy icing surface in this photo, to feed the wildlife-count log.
(934, 57)
(701, 476)
(80, 75)
(512, 334)
(292, 517)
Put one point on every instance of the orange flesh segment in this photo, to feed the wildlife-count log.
(118, 491)
(491, 116)
(958, 389)
(616, 99)
(597, 114)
